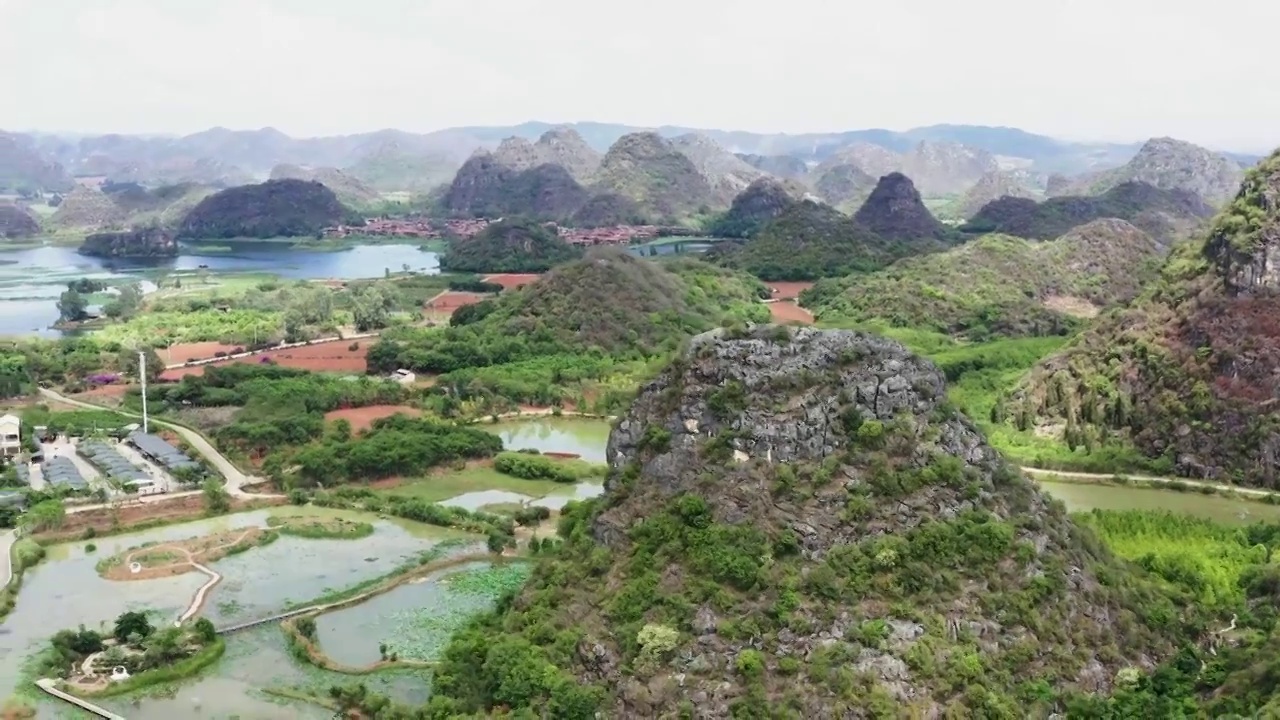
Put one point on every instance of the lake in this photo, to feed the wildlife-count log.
(581, 436)
(32, 279)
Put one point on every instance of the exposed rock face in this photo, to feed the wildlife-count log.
(1171, 164)
(895, 210)
(844, 185)
(86, 207)
(943, 168)
(563, 147)
(275, 208)
(656, 175)
(487, 187)
(783, 166)
(993, 186)
(870, 159)
(762, 201)
(349, 189)
(1166, 215)
(16, 222)
(1188, 372)
(786, 507)
(726, 173)
(144, 242)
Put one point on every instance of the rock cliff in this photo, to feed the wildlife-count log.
(844, 186)
(946, 168)
(1171, 164)
(651, 171)
(727, 174)
(139, 243)
(486, 186)
(797, 524)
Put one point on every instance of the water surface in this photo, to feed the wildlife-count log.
(583, 436)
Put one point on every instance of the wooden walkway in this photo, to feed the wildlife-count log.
(50, 686)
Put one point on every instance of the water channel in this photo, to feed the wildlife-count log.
(32, 278)
(414, 619)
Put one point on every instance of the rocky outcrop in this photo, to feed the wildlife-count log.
(24, 169)
(1186, 375)
(349, 189)
(993, 186)
(786, 507)
(844, 185)
(485, 186)
(138, 243)
(16, 222)
(870, 159)
(663, 181)
(895, 211)
(1171, 164)
(945, 168)
(783, 166)
(607, 210)
(727, 174)
(562, 147)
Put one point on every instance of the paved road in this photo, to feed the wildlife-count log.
(6, 546)
(235, 480)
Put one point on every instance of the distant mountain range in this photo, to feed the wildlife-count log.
(397, 160)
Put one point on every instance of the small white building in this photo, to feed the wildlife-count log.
(145, 487)
(403, 377)
(10, 435)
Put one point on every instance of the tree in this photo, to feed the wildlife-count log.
(130, 624)
(205, 629)
(371, 307)
(72, 306)
(125, 304)
(45, 515)
(216, 499)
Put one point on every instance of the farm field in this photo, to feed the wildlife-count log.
(323, 357)
(185, 352)
(361, 418)
(510, 281)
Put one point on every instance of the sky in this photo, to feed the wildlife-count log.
(1114, 70)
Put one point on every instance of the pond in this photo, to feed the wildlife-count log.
(31, 279)
(1085, 497)
(583, 436)
(554, 500)
(414, 620)
(65, 590)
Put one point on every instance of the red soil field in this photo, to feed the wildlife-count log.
(324, 357)
(183, 352)
(361, 418)
(785, 311)
(788, 290)
(115, 390)
(510, 281)
(452, 300)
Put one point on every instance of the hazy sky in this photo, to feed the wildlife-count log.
(1084, 69)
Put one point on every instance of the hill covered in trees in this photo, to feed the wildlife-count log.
(999, 285)
(1187, 373)
(608, 303)
(509, 246)
(17, 222)
(275, 208)
(485, 186)
(1166, 215)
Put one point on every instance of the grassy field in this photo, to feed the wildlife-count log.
(473, 479)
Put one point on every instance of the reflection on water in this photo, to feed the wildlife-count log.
(554, 500)
(582, 436)
(1085, 497)
(32, 279)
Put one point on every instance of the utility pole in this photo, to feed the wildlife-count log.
(142, 373)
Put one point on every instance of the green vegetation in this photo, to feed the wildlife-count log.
(25, 554)
(276, 208)
(1184, 376)
(999, 285)
(316, 528)
(1166, 215)
(586, 321)
(531, 466)
(412, 508)
(449, 484)
(509, 246)
(806, 242)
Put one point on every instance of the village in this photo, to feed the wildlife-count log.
(430, 228)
